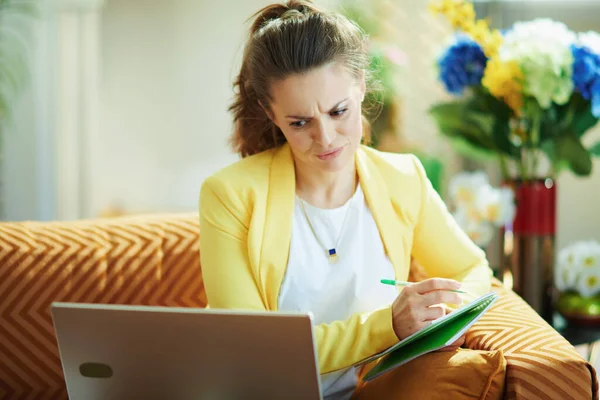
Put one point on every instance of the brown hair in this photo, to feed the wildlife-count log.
(287, 39)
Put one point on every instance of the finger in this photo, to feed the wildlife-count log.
(454, 346)
(447, 309)
(440, 296)
(434, 312)
(459, 342)
(429, 285)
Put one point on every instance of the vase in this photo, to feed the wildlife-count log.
(532, 233)
(578, 309)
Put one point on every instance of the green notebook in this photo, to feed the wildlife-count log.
(441, 333)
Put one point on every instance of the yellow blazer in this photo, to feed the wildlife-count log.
(246, 213)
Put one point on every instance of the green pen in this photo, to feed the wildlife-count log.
(402, 283)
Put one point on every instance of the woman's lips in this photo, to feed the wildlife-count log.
(330, 155)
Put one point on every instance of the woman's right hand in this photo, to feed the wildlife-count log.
(420, 303)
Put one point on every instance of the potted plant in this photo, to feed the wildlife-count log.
(578, 280)
(524, 97)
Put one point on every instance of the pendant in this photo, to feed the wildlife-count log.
(333, 257)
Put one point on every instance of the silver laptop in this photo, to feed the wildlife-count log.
(140, 352)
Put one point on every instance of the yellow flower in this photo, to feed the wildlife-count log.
(461, 16)
(504, 81)
(492, 43)
(444, 6)
(480, 31)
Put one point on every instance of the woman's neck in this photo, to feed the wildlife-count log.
(326, 189)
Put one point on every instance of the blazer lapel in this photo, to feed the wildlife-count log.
(279, 213)
(278, 224)
(380, 204)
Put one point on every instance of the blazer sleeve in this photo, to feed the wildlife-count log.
(230, 282)
(442, 248)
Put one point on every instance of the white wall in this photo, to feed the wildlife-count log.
(167, 70)
(578, 202)
(166, 81)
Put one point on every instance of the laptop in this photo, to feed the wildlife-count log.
(114, 352)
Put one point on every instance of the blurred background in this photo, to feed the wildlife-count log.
(122, 104)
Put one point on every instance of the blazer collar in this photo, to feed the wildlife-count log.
(279, 213)
(380, 204)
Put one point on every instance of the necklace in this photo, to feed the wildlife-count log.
(332, 253)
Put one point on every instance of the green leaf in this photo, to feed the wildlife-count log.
(570, 149)
(549, 148)
(452, 121)
(577, 116)
(465, 149)
(498, 114)
(595, 149)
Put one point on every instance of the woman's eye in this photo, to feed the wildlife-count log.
(298, 124)
(338, 113)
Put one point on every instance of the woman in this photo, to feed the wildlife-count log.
(311, 219)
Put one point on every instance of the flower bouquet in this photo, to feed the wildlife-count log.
(522, 96)
(479, 208)
(577, 277)
(526, 97)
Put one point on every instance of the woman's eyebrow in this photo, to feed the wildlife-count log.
(331, 109)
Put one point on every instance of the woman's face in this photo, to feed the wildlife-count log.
(319, 113)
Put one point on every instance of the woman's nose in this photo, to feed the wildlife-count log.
(324, 134)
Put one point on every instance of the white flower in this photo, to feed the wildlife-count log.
(461, 217)
(463, 187)
(588, 283)
(577, 267)
(565, 278)
(496, 205)
(589, 255)
(590, 40)
(481, 233)
(567, 268)
(542, 49)
(569, 257)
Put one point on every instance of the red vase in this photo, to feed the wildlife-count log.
(531, 260)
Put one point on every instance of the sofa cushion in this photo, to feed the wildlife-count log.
(460, 374)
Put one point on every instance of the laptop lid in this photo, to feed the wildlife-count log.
(143, 352)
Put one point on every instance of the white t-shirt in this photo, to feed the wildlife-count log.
(333, 292)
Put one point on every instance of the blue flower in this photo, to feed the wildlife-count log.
(462, 65)
(586, 68)
(595, 90)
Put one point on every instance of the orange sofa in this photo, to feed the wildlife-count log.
(153, 260)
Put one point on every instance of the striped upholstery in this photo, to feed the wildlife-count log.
(150, 260)
(153, 260)
(541, 364)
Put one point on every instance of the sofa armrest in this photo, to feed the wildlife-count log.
(540, 362)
